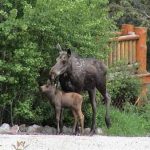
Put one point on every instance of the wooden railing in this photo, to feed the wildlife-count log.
(130, 47)
(123, 49)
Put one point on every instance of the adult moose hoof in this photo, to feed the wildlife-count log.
(58, 133)
(92, 132)
(108, 122)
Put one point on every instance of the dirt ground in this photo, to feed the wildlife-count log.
(66, 142)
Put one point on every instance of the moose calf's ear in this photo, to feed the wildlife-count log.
(48, 82)
(68, 52)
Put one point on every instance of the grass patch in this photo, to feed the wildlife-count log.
(124, 123)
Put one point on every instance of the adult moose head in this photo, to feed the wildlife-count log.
(82, 74)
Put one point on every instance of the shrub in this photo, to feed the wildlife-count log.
(29, 34)
(124, 87)
(79, 24)
(20, 63)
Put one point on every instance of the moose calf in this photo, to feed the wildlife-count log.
(60, 100)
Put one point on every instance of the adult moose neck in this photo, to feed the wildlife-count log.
(75, 71)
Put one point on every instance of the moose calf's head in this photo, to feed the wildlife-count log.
(48, 88)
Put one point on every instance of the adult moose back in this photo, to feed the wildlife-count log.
(82, 74)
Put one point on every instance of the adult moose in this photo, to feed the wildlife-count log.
(82, 74)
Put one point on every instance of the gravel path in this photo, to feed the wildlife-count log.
(65, 142)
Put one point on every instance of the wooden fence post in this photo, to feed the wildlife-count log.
(141, 51)
(127, 29)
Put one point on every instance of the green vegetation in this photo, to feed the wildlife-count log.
(132, 121)
(29, 32)
(123, 86)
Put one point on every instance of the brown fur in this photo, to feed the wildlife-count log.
(61, 100)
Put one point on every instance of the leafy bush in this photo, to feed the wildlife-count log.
(29, 32)
(78, 24)
(20, 63)
(124, 87)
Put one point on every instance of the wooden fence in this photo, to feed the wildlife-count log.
(130, 47)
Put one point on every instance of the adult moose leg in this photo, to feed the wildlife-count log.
(92, 96)
(107, 100)
(101, 86)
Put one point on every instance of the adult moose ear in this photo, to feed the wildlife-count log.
(68, 52)
(59, 47)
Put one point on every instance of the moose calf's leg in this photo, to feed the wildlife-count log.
(81, 118)
(61, 121)
(75, 121)
(58, 111)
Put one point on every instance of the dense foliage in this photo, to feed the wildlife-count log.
(20, 63)
(29, 32)
(123, 87)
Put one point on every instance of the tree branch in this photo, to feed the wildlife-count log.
(148, 17)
